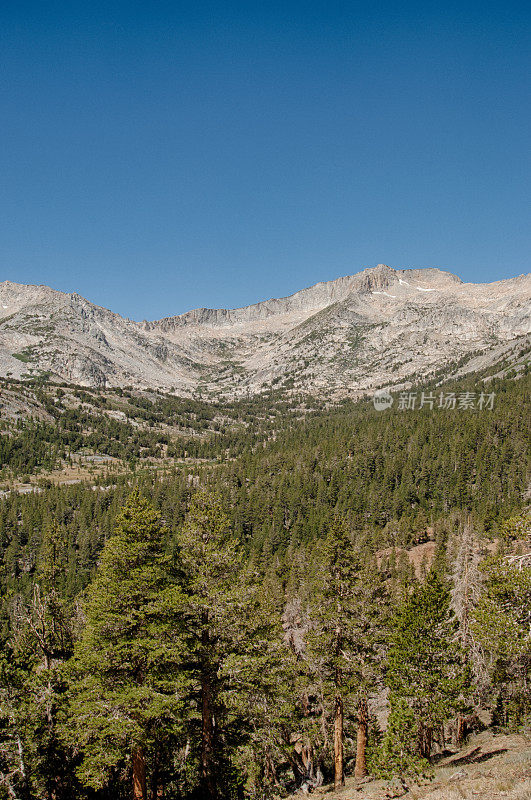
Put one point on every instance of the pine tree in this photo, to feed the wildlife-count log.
(426, 671)
(348, 613)
(261, 691)
(398, 753)
(501, 624)
(467, 581)
(210, 561)
(40, 643)
(16, 763)
(127, 678)
(369, 629)
(303, 731)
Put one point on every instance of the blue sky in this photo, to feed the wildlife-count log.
(158, 157)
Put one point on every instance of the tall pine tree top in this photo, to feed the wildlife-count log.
(129, 686)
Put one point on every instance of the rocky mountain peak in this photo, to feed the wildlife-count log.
(379, 277)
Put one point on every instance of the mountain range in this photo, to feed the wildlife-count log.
(378, 327)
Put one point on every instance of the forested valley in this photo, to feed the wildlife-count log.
(256, 598)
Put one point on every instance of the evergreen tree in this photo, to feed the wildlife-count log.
(40, 643)
(261, 694)
(426, 672)
(126, 675)
(467, 582)
(398, 753)
(15, 766)
(210, 561)
(369, 629)
(348, 612)
(501, 623)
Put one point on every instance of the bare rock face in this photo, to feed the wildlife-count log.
(379, 327)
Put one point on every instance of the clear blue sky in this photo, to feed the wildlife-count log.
(158, 156)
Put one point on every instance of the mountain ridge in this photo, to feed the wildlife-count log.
(341, 336)
(374, 277)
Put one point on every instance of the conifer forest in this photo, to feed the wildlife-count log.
(247, 600)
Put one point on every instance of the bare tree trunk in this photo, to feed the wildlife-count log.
(360, 770)
(270, 770)
(207, 738)
(460, 730)
(139, 775)
(339, 778)
(426, 741)
(307, 762)
(157, 787)
(207, 719)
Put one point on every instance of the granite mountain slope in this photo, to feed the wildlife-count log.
(378, 327)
